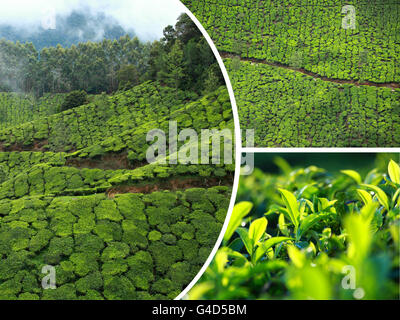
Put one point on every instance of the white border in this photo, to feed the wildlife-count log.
(321, 150)
(238, 153)
(240, 150)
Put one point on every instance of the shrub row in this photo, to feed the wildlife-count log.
(308, 34)
(290, 109)
(131, 247)
(105, 117)
(53, 179)
(13, 163)
(17, 108)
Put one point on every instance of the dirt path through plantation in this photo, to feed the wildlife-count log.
(391, 85)
(172, 184)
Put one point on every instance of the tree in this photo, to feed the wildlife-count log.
(128, 77)
(173, 73)
(186, 29)
(74, 99)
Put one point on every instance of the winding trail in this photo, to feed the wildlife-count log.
(172, 184)
(390, 85)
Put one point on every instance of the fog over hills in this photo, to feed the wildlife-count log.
(68, 22)
(76, 27)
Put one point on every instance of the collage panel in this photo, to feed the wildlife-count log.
(311, 226)
(117, 151)
(311, 73)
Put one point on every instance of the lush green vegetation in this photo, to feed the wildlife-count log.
(76, 190)
(134, 246)
(181, 59)
(300, 83)
(309, 234)
(74, 99)
(112, 122)
(309, 35)
(17, 108)
(114, 227)
(291, 109)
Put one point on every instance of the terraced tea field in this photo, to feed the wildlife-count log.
(77, 193)
(310, 73)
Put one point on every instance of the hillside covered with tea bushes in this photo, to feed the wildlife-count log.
(18, 108)
(309, 112)
(77, 193)
(302, 77)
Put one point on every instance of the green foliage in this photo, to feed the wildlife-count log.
(128, 77)
(71, 174)
(119, 123)
(109, 65)
(18, 108)
(307, 81)
(317, 227)
(74, 99)
(102, 250)
(314, 40)
(302, 111)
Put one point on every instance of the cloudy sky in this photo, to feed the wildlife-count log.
(147, 17)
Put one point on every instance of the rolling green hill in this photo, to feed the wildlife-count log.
(301, 79)
(77, 193)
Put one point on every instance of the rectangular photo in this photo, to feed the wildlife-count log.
(310, 226)
(311, 73)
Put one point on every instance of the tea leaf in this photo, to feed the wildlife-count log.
(396, 197)
(268, 244)
(394, 172)
(395, 232)
(308, 222)
(248, 243)
(257, 229)
(221, 259)
(353, 174)
(382, 197)
(292, 206)
(360, 236)
(296, 256)
(237, 255)
(240, 210)
(282, 225)
(365, 196)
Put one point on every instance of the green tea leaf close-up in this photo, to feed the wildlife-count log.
(310, 233)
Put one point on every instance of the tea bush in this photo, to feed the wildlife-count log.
(323, 236)
(309, 34)
(76, 193)
(102, 244)
(17, 108)
(299, 110)
(301, 79)
(74, 99)
(111, 122)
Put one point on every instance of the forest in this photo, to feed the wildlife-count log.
(275, 49)
(76, 190)
(300, 231)
(110, 65)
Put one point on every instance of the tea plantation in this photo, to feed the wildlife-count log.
(311, 234)
(76, 193)
(303, 77)
(17, 108)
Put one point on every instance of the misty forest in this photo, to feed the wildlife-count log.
(181, 59)
(77, 195)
